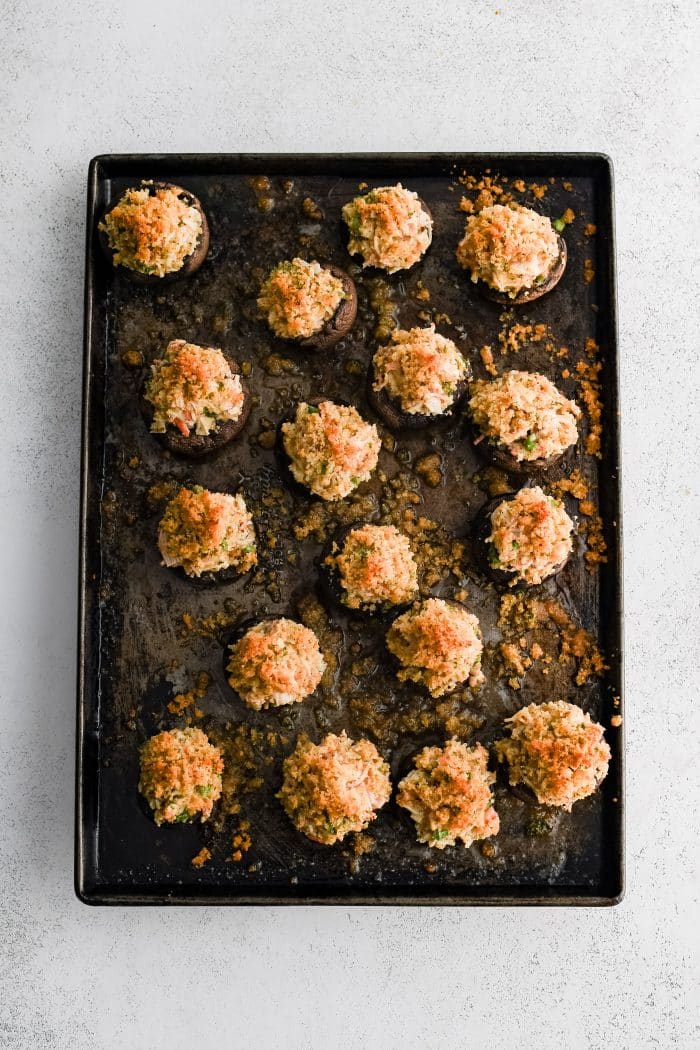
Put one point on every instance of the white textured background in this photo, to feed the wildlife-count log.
(83, 78)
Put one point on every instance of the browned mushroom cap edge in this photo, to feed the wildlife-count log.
(499, 456)
(391, 413)
(338, 326)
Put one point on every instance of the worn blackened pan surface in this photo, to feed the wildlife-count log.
(145, 634)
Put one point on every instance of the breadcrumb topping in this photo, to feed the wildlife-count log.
(388, 227)
(152, 231)
(376, 567)
(524, 412)
(277, 662)
(299, 297)
(531, 535)
(448, 794)
(510, 248)
(331, 448)
(204, 531)
(557, 751)
(438, 644)
(193, 388)
(180, 775)
(334, 788)
(420, 369)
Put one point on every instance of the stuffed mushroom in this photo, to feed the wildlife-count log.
(180, 775)
(334, 788)
(328, 448)
(512, 252)
(390, 227)
(524, 538)
(207, 535)
(438, 645)
(156, 231)
(419, 378)
(448, 794)
(370, 568)
(195, 400)
(274, 663)
(556, 751)
(309, 304)
(525, 423)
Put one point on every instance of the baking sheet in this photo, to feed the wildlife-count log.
(147, 637)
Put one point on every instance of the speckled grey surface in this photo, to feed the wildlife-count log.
(371, 76)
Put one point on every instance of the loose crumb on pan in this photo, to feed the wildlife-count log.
(249, 752)
(515, 337)
(240, 842)
(486, 355)
(559, 637)
(588, 373)
(201, 858)
(590, 523)
(182, 702)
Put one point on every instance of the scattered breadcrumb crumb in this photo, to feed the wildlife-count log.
(486, 355)
(571, 643)
(201, 858)
(240, 841)
(182, 701)
(590, 395)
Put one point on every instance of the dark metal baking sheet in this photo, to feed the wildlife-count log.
(135, 652)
